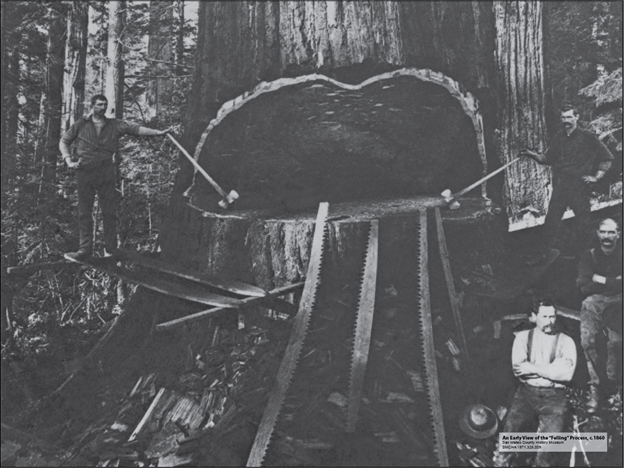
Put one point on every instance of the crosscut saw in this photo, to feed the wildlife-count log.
(293, 349)
(361, 341)
(426, 340)
(363, 327)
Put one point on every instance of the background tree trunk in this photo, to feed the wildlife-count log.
(113, 86)
(160, 48)
(8, 103)
(179, 45)
(520, 66)
(54, 92)
(75, 62)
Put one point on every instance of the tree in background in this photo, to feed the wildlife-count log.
(41, 98)
(77, 36)
(160, 53)
(115, 71)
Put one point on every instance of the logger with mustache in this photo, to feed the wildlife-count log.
(579, 160)
(600, 280)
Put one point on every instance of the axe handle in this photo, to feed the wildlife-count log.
(198, 167)
(480, 181)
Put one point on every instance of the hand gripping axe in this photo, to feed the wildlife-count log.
(228, 198)
(451, 199)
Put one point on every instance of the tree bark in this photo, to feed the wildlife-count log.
(242, 43)
(160, 47)
(75, 62)
(113, 86)
(53, 92)
(520, 67)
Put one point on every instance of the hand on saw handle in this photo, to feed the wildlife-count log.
(537, 157)
(228, 198)
(451, 198)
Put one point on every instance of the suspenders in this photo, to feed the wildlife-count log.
(553, 351)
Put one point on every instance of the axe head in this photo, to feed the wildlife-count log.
(450, 201)
(229, 199)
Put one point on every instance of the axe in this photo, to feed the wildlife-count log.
(451, 199)
(228, 198)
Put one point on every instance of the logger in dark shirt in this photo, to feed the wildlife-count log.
(600, 279)
(579, 160)
(97, 144)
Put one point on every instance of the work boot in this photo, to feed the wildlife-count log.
(79, 256)
(593, 399)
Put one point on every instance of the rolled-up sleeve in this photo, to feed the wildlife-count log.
(128, 128)
(70, 135)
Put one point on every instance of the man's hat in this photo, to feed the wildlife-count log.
(478, 421)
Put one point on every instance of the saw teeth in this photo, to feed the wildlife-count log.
(363, 326)
(295, 343)
(428, 351)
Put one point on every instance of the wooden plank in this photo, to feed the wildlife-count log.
(147, 415)
(450, 285)
(107, 265)
(236, 287)
(26, 269)
(244, 302)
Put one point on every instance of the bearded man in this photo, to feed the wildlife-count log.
(600, 280)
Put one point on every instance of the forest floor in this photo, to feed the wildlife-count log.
(195, 396)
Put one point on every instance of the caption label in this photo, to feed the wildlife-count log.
(552, 441)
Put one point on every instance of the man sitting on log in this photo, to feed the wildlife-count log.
(574, 154)
(97, 148)
(600, 280)
(544, 360)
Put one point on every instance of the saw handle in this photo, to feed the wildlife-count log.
(480, 181)
(201, 170)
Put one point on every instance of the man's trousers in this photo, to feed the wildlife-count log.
(574, 193)
(548, 406)
(97, 178)
(598, 340)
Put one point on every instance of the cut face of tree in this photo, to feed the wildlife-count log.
(316, 141)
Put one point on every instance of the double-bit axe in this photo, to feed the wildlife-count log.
(451, 199)
(228, 198)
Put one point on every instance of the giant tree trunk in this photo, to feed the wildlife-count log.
(270, 147)
(520, 65)
(75, 62)
(113, 85)
(159, 50)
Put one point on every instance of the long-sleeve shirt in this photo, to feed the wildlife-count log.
(598, 263)
(561, 369)
(577, 154)
(91, 146)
